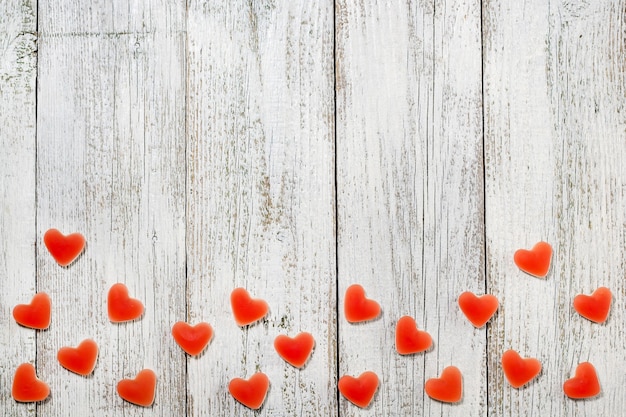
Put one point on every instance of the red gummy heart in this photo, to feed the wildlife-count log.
(478, 310)
(246, 309)
(35, 315)
(596, 306)
(64, 249)
(81, 359)
(252, 392)
(359, 391)
(26, 387)
(448, 388)
(139, 391)
(192, 339)
(517, 370)
(409, 339)
(120, 306)
(357, 308)
(295, 351)
(585, 383)
(536, 261)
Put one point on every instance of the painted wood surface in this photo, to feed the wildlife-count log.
(554, 151)
(295, 148)
(18, 69)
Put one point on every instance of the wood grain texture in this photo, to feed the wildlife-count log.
(111, 165)
(18, 69)
(260, 198)
(554, 152)
(409, 184)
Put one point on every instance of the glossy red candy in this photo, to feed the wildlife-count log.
(448, 388)
(81, 359)
(35, 315)
(594, 307)
(26, 387)
(192, 339)
(120, 306)
(584, 384)
(64, 249)
(357, 308)
(478, 310)
(360, 390)
(536, 261)
(517, 370)
(246, 309)
(140, 390)
(297, 350)
(251, 392)
(409, 339)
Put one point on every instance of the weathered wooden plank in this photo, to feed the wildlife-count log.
(18, 69)
(111, 165)
(409, 186)
(260, 202)
(555, 145)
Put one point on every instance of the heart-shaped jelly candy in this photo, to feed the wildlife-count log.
(585, 383)
(478, 310)
(192, 339)
(517, 370)
(26, 387)
(596, 306)
(81, 359)
(357, 308)
(409, 339)
(252, 392)
(35, 315)
(536, 261)
(359, 391)
(64, 249)
(448, 388)
(246, 309)
(139, 391)
(296, 350)
(120, 306)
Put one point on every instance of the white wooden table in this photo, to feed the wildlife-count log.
(295, 148)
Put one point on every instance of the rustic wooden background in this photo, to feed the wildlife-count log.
(295, 148)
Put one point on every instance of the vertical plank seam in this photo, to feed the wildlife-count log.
(485, 271)
(336, 208)
(186, 136)
(36, 171)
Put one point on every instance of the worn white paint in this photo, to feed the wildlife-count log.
(193, 143)
(17, 190)
(410, 200)
(555, 146)
(260, 198)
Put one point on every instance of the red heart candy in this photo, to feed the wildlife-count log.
(81, 359)
(246, 309)
(295, 351)
(409, 339)
(536, 261)
(478, 310)
(252, 392)
(357, 308)
(448, 388)
(596, 306)
(192, 339)
(120, 306)
(64, 249)
(517, 370)
(139, 391)
(26, 387)
(35, 315)
(585, 383)
(359, 391)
